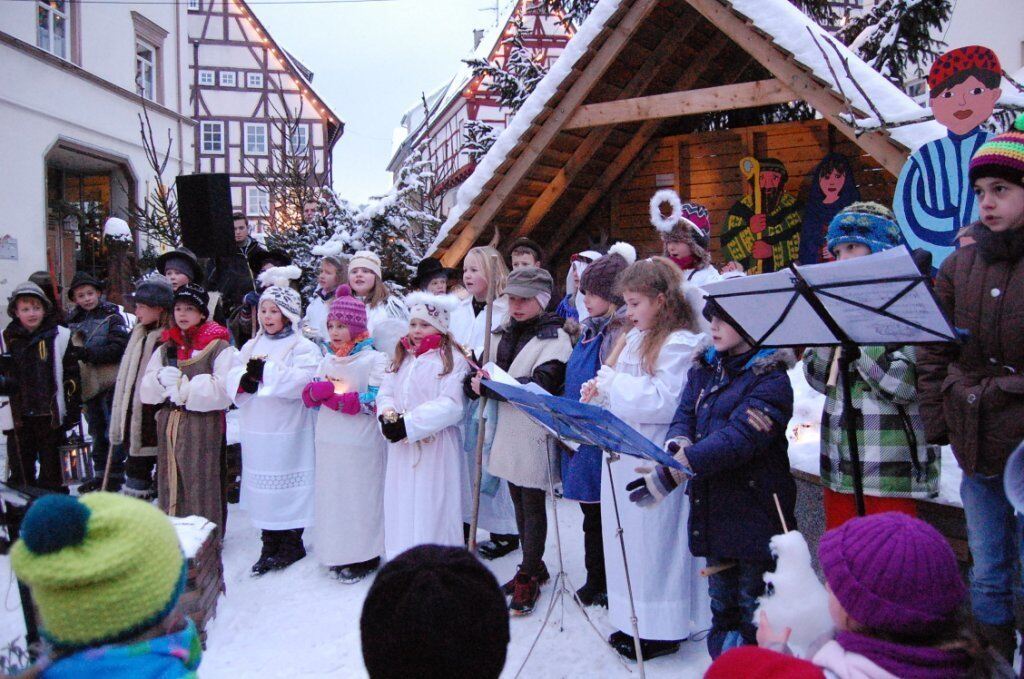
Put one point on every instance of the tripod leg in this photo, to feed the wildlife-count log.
(625, 567)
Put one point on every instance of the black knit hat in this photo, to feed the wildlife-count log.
(154, 291)
(274, 257)
(83, 278)
(529, 245)
(599, 277)
(183, 260)
(434, 613)
(195, 295)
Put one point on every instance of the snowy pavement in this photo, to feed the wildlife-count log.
(301, 623)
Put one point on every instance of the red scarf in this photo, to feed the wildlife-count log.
(195, 339)
(345, 348)
(426, 344)
(684, 263)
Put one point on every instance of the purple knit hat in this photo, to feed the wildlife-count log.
(892, 572)
(348, 310)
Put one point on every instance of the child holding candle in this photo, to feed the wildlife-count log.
(421, 403)
(350, 452)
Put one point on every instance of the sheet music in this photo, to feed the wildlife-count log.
(913, 317)
(499, 375)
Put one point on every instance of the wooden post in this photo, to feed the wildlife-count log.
(481, 417)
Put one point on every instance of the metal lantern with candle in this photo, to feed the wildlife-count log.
(76, 465)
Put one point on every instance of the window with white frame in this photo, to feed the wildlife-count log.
(145, 70)
(211, 136)
(256, 138)
(298, 140)
(206, 78)
(254, 80)
(53, 26)
(227, 78)
(257, 202)
(194, 4)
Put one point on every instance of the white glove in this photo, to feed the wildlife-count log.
(603, 380)
(168, 376)
(676, 447)
(178, 392)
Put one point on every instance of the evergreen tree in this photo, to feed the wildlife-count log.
(897, 35)
(479, 138)
(572, 12)
(299, 241)
(511, 82)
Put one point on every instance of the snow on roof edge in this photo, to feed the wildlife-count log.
(521, 122)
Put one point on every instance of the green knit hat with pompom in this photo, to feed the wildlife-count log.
(102, 568)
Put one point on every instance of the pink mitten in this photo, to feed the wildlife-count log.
(316, 393)
(347, 403)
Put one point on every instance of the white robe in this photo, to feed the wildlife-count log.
(350, 461)
(392, 307)
(276, 432)
(497, 514)
(424, 471)
(671, 598)
(315, 320)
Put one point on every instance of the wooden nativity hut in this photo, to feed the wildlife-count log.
(655, 94)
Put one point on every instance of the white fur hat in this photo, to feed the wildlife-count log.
(433, 309)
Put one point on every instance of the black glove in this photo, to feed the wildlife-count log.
(248, 384)
(77, 353)
(394, 431)
(254, 369)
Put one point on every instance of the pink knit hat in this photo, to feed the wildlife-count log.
(348, 310)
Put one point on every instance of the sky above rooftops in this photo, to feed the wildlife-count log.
(371, 61)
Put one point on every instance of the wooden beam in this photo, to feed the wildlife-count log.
(640, 81)
(632, 148)
(882, 147)
(577, 93)
(672, 104)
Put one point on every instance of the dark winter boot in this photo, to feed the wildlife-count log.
(271, 540)
(289, 550)
(1002, 639)
(509, 587)
(498, 546)
(524, 596)
(593, 594)
(651, 648)
(142, 489)
(355, 572)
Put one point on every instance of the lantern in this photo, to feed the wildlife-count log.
(76, 464)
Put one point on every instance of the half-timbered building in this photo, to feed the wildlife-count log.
(440, 121)
(253, 102)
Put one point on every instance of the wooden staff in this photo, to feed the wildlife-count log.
(751, 170)
(481, 417)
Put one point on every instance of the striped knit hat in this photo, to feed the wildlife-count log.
(867, 223)
(1002, 155)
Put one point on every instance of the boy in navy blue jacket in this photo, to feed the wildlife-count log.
(730, 433)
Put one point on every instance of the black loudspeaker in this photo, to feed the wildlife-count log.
(204, 207)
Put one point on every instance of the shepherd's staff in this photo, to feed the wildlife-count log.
(481, 417)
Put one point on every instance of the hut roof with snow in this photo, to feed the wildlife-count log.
(625, 109)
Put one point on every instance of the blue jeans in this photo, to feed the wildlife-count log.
(994, 533)
(97, 414)
(734, 593)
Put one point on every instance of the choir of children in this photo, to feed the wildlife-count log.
(372, 445)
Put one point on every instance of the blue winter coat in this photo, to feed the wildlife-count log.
(737, 468)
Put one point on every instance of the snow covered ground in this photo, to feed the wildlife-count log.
(300, 623)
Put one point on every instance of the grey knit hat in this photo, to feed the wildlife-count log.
(154, 291)
(599, 278)
(27, 289)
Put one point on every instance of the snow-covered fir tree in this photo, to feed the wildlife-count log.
(479, 138)
(511, 82)
(572, 12)
(897, 35)
(400, 225)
